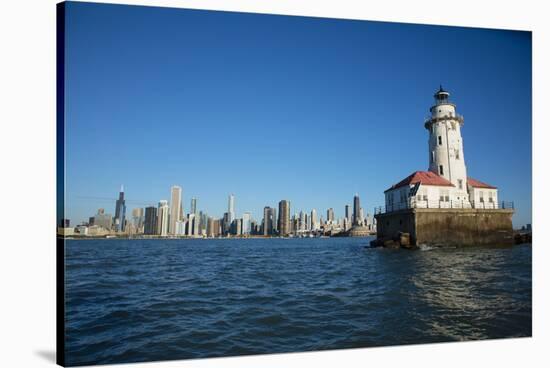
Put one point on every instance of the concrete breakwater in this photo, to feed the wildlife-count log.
(410, 228)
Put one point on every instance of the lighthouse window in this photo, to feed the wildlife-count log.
(432, 157)
(457, 154)
(440, 169)
(439, 140)
(460, 184)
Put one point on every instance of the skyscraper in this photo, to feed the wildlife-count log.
(247, 219)
(103, 220)
(302, 225)
(210, 227)
(120, 211)
(175, 208)
(150, 225)
(193, 225)
(137, 218)
(162, 218)
(330, 215)
(356, 210)
(274, 224)
(238, 226)
(193, 205)
(226, 224)
(314, 221)
(231, 208)
(267, 226)
(284, 217)
(203, 222)
(348, 213)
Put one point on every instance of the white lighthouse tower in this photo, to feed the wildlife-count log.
(446, 184)
(446, 153)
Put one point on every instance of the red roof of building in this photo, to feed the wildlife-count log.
(425, 178)
(478, 184)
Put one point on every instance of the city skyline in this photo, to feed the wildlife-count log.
(192, 207)
(268, 122)
(176, 212)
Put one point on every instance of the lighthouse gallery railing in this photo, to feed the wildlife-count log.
(414, 203)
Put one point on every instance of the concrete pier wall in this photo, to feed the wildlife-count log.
(448, 227)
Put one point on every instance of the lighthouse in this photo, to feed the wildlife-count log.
(446, 150)
(446, 183)
(443, 205)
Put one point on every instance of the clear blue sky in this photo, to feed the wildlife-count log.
(275, 107)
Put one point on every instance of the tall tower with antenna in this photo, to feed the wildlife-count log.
(120, 211)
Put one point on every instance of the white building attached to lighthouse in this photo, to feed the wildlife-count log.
(446, 183)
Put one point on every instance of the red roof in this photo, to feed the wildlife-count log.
(478, 184)
(425, 178)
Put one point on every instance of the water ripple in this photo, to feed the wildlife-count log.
(140, 300)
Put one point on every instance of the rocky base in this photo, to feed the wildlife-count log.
(402, 240)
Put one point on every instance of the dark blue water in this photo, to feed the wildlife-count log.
(139, 300)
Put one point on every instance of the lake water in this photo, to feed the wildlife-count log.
(140, 300)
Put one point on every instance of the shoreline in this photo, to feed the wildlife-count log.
(85, 237)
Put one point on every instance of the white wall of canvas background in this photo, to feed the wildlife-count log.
(27, 181)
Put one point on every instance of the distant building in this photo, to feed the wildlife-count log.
(254, 227)
(95, 230)
(346, 224)
(120, 211)
(231, 208)
(314, 220)
(193, 225)
(82, 229)
(210, 227)
(302, 221)
(274, 224)
(348, 214)
(65, 231)
(180, 228)
(226, 224)
(284, 217)
(202, 223)
(247, 219)
(103, 219)
(216, 228)
(330, 215)
(267, 227)
(137, 219)
(175, 208)
(162, 218)
(193, 205)
(356, 210)
(150, 224)
(238, 227)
